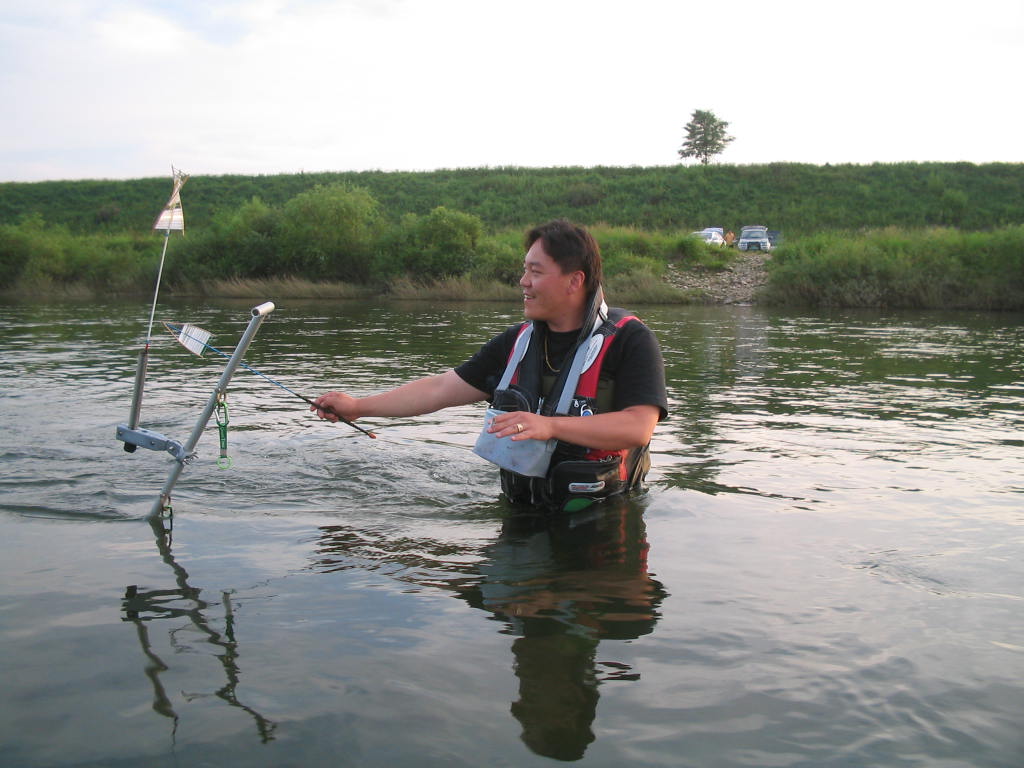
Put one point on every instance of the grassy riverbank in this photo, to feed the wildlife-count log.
(332, 242)
(341, 240)
(891, 268)
(935, 268)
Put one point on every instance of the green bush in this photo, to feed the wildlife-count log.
(238, 243)
(41, 257)
(440, 245)
(17, 244)
(113, 265)
(689, 249)
(330, 232)
(252, 240)
(499, 260)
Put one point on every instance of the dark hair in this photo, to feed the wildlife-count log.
(572, 248)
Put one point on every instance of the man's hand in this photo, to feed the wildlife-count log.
(335, 404)
(628, 428)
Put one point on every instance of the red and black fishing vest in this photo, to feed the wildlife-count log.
(578, 475)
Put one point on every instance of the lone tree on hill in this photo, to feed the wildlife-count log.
(705, 136)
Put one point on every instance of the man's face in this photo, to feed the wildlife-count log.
(546, 289)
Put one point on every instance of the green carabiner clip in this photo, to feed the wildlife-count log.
(224, 461)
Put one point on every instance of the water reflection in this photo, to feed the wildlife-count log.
(184, 602)
(560, 585)
(776, 394)
(563, 586)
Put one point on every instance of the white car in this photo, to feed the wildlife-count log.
(710, 236)
(754, 239)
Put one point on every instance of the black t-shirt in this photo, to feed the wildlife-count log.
(633, 362)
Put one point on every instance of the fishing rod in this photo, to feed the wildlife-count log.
(195, 339)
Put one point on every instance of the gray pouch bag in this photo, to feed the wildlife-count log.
(531, 458)
(524, 457)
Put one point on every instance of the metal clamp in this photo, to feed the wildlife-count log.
(153, 441)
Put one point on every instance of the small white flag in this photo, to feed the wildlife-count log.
(172, 216)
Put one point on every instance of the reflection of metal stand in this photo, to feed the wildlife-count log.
(142, 606)
(133, 435)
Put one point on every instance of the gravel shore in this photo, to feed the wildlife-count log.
(736, 284)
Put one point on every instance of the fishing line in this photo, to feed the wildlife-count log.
(171, 218)
(194, 339)
(156, 288)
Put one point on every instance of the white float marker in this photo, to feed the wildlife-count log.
(192, 337)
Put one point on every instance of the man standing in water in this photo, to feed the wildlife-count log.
(574, 357)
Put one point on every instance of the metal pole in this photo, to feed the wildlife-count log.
(258, 315)
(140, 383)
(140, 370)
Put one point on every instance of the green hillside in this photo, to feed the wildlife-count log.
(798, 199)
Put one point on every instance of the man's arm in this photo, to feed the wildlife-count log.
(629, 428)
(426, 395)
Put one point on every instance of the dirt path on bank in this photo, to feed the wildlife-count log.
(736, 284)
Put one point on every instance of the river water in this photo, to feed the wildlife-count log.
(827, 567)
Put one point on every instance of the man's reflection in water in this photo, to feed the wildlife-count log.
(564, 584)
(557, 693)
(561, 583)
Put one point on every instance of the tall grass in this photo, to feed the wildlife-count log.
(49, 259)
(453, 289)
(643, 287)
(247, 249)
(281, 287)
(891, 267)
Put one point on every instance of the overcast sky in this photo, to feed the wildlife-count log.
(124, 89)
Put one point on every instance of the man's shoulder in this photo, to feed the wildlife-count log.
(508, 336)
(621, 314)
(627, 322)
